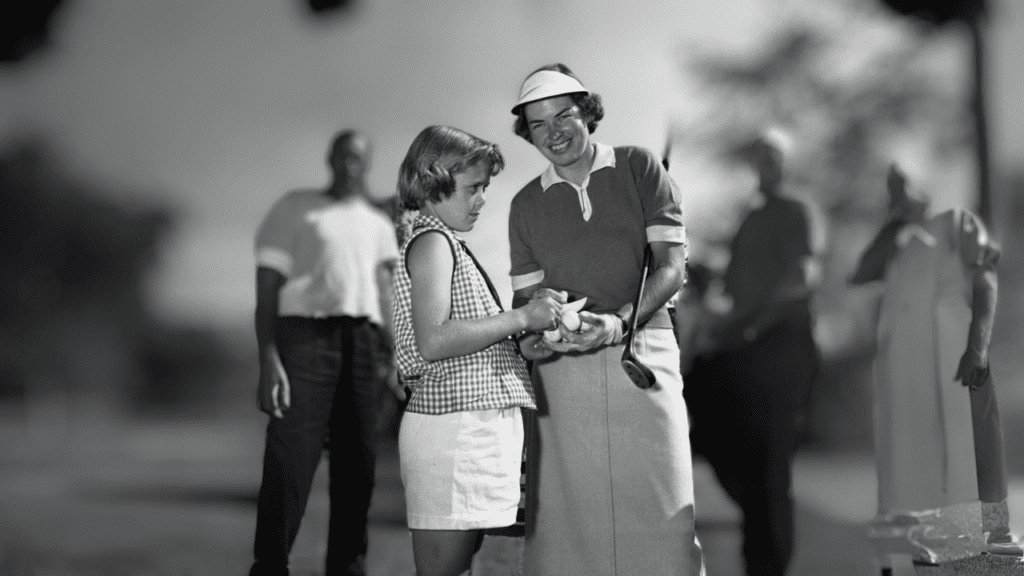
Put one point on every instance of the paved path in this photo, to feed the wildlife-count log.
(177, 499)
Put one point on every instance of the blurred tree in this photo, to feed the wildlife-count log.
(62, 245)
(939, 12)
(73, 307)
(844, 90)
(327, 7)
(325, 14)
(972, 13)
(839, 119)
(25, 28)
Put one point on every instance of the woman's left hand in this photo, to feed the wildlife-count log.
(603, 329)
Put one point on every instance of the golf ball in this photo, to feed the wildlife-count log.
(552, 335)
(571, 320)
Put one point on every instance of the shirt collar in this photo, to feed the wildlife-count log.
(604, 157)
(427, 221)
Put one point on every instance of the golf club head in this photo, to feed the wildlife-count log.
(641, 375)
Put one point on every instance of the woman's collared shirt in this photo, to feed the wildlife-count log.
(589, 240)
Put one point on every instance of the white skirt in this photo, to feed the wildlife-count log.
(461, 470)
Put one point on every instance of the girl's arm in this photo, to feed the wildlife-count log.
(438, 336)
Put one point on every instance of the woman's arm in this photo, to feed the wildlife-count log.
(668, 263)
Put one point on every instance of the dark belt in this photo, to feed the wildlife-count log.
(321, 325)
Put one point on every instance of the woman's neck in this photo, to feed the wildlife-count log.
(578, 171)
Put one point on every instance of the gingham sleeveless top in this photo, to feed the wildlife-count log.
(492, 378)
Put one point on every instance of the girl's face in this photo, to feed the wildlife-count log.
(558, 130)
(461, 210)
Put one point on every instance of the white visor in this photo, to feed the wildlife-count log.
(547, 84)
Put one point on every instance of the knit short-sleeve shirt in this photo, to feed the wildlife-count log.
(589, 240)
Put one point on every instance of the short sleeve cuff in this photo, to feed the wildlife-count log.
(673, 234)
(274, 258)
(525, 280)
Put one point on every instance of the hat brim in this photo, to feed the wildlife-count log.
(545, 84)
(519, 106)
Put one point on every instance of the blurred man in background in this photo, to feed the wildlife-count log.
(323, 305)
(747, 392)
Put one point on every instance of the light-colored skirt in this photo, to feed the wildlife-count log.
(461, 470)
(610, 479)
(924, 436)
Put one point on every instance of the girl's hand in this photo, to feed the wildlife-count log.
(542, 313)
(560, 296)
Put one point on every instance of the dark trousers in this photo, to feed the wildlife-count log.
(744, 406)
(331, 369)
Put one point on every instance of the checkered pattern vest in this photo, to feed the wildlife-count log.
(492, 378)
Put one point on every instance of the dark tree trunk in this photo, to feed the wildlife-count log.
(977, 30)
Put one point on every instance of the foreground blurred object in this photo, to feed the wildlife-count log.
(939, 440)
(25, 28)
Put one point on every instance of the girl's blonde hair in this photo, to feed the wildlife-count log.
(435, 156)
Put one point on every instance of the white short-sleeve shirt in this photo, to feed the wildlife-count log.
(329, 251)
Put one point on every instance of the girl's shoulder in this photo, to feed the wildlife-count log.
(430, 240)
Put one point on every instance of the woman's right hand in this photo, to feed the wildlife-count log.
(532, 347)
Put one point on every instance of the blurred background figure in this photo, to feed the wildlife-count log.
(392, 403)
(938, 436)
(693, 319)
(323, 306)
(747, 392)
(906, 209)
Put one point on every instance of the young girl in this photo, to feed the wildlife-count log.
(461, 438)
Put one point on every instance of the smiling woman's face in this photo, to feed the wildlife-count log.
(461, 210)
(558, 130)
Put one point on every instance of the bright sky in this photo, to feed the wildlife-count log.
(223, 105)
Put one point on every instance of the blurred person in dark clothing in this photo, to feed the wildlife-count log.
(938, 437)
(748, 391)
(323, 305)
(691, 318)
(906, 208)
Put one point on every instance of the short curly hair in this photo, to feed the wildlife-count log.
(590, 105)
(436, 155)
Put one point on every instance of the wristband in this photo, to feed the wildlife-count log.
(625, 325)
